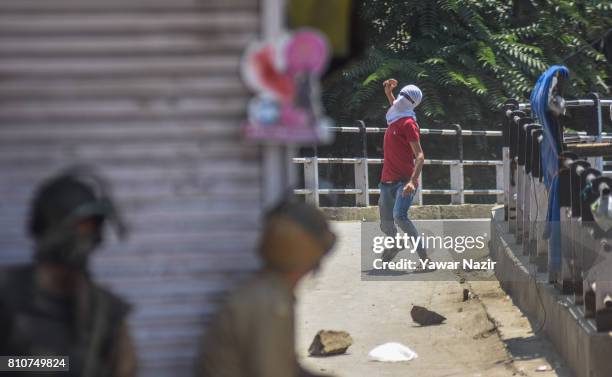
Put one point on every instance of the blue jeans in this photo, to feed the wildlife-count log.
(393, 208)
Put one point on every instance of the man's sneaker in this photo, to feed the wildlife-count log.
(389, 254)
(428, 267)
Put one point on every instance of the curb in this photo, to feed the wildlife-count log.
(425, 212)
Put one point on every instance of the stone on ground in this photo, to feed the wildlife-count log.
(425, 317)
(329, 342)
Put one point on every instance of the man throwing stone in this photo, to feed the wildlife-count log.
(403, 162)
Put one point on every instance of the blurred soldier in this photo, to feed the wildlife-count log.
(52, 307)
(253, 333)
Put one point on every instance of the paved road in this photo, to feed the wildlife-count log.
(376, 312)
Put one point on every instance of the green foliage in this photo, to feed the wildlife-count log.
(468, 56)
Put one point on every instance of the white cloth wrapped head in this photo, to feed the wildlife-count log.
(407, 100)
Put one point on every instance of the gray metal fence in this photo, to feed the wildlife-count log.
(362, 189)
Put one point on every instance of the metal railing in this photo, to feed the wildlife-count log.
(579, 265)
(362, 189)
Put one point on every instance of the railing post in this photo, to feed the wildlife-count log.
(500, 173)
(505, 152)
(596, 162)
(456, 182)
(311, 180)
(456, 170)
(361, 170)
(509, 106)
(513, 177)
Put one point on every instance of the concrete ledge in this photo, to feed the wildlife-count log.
(429, 212)
(586, 351)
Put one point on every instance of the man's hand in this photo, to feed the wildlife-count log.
(409, 188)
(389, 85)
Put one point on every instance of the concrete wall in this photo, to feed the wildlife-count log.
(425, 212)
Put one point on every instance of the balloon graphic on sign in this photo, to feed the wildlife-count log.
(285, 76)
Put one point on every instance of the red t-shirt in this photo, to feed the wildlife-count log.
(398, 161)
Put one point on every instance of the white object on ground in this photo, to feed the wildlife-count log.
(392, 352)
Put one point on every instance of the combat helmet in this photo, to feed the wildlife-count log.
(60, 205)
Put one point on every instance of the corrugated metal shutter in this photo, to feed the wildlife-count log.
(149, 92)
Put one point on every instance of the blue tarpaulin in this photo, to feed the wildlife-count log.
(551, 148)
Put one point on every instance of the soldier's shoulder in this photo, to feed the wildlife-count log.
(15, 282)
(119, 307)
(261, 292)
(263, 283)
(14, 277)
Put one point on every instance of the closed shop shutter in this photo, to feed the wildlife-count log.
(148, 91)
